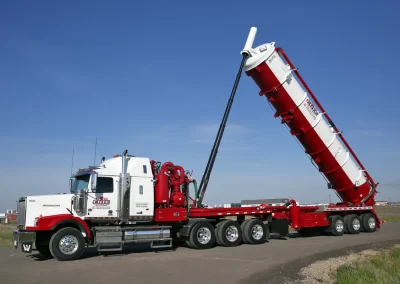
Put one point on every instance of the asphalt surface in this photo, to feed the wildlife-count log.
(242, 264)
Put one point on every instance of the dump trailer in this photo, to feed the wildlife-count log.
(299, 109)
(130, 200)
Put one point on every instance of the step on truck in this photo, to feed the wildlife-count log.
(131, 200)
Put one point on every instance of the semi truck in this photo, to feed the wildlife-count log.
(130, 200)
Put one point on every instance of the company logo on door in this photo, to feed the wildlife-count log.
(101, 203)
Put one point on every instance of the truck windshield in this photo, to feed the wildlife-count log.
(79, 182)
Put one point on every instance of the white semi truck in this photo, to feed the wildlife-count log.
(129, 199)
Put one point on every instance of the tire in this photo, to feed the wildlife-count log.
(254, 231)
(362, 226)
(368, 222)
(228, 233)
(345, 220)
(352, 223)
(202, 235)
(44, 250)
(337, 226)
(65, 235)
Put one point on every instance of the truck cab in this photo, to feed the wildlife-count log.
(119, 186)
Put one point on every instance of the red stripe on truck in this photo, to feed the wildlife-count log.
(48, 223)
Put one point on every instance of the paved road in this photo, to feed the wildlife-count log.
(218, 265)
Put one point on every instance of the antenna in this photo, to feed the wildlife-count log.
(72, 163)
(95, 148)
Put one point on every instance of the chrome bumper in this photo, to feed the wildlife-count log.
(25, 238)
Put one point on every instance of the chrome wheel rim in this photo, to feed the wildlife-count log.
(356, 224)
(204, 235)
(257, 232)
(68, 244)
(232, 233)
(371, 223)
(339, 226)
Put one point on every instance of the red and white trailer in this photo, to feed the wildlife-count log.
(128, 199)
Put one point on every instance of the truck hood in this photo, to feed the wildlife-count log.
(46, 205)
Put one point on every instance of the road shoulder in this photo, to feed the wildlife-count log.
(289, 272)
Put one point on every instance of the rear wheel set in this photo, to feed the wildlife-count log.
(227, 233)
(352, 224)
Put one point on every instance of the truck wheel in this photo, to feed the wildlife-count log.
(362, 226)
(353, 224)
(44, 250)
(254, 231)
(337, 225)
(368, 222)
(345, 220)
(202, 235)
(228, 233)
(67, 244)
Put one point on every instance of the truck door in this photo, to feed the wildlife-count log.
(104, 202)
(141, 198)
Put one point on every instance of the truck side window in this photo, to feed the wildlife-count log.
(105, 185)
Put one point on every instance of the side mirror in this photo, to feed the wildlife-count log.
(93, 181)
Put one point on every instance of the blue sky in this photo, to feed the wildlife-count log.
(153, 77)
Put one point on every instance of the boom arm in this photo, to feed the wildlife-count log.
(214, 151)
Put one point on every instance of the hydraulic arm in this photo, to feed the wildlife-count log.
(207, 172)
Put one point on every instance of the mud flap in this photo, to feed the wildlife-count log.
(26, 247)
(280, 226)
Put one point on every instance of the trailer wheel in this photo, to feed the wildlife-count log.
(337, 226)
(353, 224)
(67, 244)
(362, 225)
(345, 220)
(228, 233)
(368, 222)
(254, 231)
(202, 235)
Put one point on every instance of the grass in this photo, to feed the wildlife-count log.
(388, 213)
(6, 237)
(377, 269)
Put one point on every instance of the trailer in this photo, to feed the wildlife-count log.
(129, 200)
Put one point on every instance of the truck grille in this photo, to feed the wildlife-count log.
(21, 211)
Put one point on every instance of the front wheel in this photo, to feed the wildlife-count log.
(44, 250)
(67, 244)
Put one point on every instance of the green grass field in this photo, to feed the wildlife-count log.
(6, 234)
(377, 269)
(388, 213)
